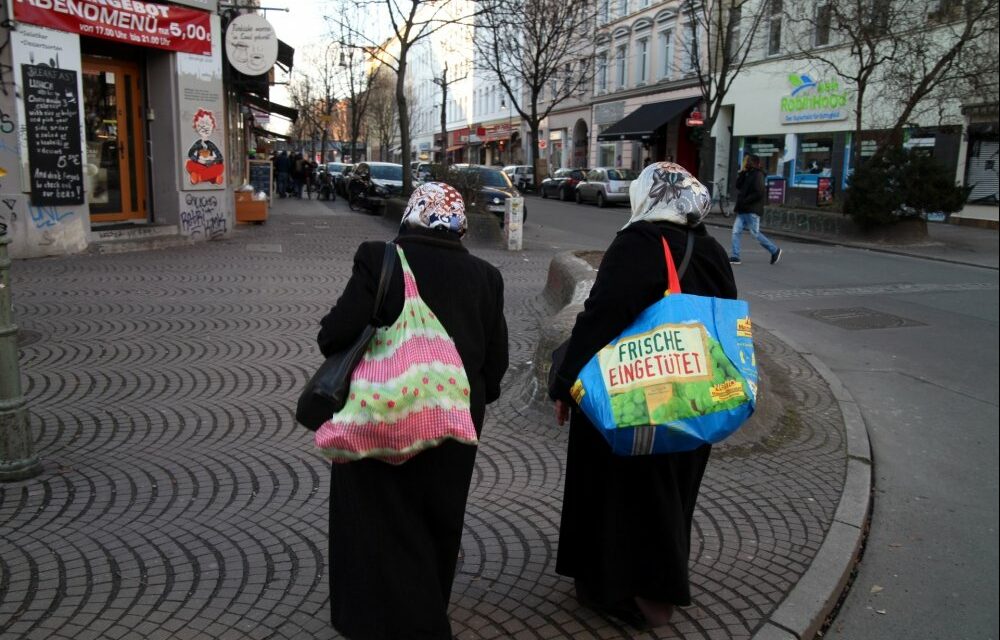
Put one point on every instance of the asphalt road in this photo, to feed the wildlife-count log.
(916, 343)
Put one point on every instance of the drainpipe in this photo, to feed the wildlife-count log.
(17, 458)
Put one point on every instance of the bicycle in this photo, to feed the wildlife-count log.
(720, 197)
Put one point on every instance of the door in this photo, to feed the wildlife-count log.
(116, 163)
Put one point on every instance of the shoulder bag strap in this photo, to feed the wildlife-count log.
(674, 275)
(388, 265)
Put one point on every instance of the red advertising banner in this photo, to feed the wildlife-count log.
(147, 24)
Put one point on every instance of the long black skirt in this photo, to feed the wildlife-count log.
(626, 521)
(395, 533)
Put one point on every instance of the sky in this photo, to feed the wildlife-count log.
(299, 27)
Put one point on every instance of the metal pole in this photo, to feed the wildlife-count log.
(17, 458)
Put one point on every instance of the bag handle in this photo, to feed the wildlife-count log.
(673, 274)
(388, 265)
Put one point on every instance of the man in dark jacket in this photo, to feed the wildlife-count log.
(750, 198)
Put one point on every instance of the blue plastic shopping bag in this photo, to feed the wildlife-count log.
(683, 374)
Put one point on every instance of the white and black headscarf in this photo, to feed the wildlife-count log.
(666, 191)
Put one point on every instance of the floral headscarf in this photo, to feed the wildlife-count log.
(667, 191)
(436, 205)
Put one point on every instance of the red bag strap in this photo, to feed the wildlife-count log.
(673, 281)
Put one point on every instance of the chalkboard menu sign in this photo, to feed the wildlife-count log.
(52, 115)
(260, 176)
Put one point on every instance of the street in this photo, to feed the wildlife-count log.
(915, 342)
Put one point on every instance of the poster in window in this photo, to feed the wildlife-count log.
(824, 191)
(776, 191)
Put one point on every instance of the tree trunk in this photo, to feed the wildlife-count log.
(404, 120)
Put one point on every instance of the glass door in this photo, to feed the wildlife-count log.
(115, 160)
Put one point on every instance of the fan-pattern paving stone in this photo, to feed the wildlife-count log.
(180, 500)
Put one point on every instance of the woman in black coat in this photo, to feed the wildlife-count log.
(395, 531)
(626, 521)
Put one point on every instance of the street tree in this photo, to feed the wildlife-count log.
(314, 92)
(357, 75)
(540, 52)
(444, 81)
(719, 37)
(387, 36)
(383, 116)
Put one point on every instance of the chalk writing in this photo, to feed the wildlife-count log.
(52, 113)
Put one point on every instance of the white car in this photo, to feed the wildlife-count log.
(604, 185)
(522, 175)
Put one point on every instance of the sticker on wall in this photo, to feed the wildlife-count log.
(205, 160)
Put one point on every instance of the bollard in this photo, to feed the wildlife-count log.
(513, 223)
(17, 458)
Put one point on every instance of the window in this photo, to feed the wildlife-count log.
(666, 53)
(602, 12)
(813, 160)
(642, 59)
(735, 33)
(824, 18)
(689, 61)
(620, 61)
(602, 72)
(774, 11)
(622, 8)
(770, 150)
(881, 10)
(643, 4)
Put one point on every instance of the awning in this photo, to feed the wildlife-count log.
(270, 134)
(644, 121)
(456, 147)
(285, 56)
(271, 107)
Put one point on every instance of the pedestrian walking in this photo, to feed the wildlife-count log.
(395, 530)
(298, 174)
(626, 521)
(283, 167)
(751, 194)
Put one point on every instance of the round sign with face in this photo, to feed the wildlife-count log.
(251, 44)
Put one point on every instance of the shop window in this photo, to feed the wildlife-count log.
(606, 151)
(813, 160)
(770, 150)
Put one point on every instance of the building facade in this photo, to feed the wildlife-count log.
(118, 123)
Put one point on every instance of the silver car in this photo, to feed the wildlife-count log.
(604, 185)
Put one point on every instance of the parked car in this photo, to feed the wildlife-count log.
(562, 184)
(605, 184)
(495, 187)
(522, 175)
(341, 180)
(373, 180)
(420, 170)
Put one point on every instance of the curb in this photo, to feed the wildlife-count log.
(807, 605)
(804, 610)
(853, 245)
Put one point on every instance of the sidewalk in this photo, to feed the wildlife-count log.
(972, 246)
(180, 500)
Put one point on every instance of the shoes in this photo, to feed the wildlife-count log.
(736, 260)
(774, 257)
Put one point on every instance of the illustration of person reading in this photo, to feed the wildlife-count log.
(205, 162)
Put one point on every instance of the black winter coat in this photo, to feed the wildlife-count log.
(626, 521)
(751, 192)
(395, 531)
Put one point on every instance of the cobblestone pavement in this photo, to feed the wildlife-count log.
(180, 500)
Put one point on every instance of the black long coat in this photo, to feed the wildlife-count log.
(395, 531)
(626, 521)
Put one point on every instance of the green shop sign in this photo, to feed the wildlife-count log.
(812, 101)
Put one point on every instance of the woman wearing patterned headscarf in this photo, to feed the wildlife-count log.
(626, 521)
(395, 531)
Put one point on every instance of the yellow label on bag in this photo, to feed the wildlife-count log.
(744, 329)
(669, 352)
(727, 391)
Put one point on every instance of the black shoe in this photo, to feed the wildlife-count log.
(735, 260)
(776, 256)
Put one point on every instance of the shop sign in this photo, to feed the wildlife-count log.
(496, 132)
(251, 44)
(812, 101)
(147, 24)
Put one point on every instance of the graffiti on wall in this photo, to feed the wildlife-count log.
(201, 215)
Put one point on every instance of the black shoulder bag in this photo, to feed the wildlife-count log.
(326, 392)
